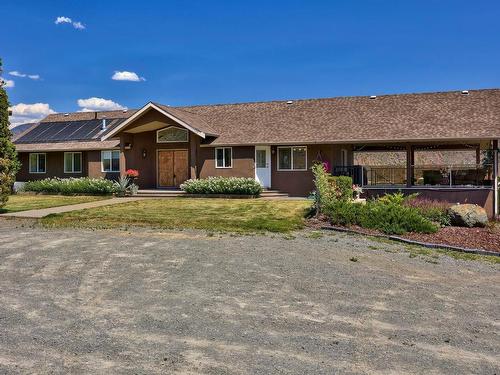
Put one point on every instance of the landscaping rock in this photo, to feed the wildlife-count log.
(468, 215)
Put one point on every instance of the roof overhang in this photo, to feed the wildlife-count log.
(142, 111)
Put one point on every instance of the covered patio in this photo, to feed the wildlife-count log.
(458, 172)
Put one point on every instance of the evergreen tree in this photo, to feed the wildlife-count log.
(9, 165)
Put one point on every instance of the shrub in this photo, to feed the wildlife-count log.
(71, 186)
(387, 214)
(9, 165)
(434, 210)
(223, 185)
(393, 218)
(125, 186)
(345, 213)
(323, 194)
(342, 187)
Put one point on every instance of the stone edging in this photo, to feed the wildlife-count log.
(413, 242)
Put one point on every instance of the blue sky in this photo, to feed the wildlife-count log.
(198, 52)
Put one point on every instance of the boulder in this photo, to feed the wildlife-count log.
(468, 215)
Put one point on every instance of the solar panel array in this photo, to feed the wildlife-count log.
(68, 131)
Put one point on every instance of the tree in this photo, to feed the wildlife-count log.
(9, 165)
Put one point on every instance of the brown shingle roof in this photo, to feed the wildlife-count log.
(195, 120)
(405, 117)
(387, 118)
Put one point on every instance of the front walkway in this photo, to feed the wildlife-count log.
(73, 207)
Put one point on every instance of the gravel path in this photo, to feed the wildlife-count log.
(102, 302)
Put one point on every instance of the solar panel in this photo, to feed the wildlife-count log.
(67, 131)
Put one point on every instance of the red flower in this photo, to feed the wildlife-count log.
(133, 173)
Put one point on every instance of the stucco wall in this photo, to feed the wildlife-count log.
(54, 167)
(300, 183)
(243, 163)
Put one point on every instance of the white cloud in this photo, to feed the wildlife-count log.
(22, 113)
(7, 83)
(62, 20)
(76, 24)
(126, 76)
(16, 73)
(98, 104)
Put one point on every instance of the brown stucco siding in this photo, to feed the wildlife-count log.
(54, 167)
(95, 166)
(300, 183)
(481, 197)
(243, 163)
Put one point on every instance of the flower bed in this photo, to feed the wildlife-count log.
(71, 186)
(223, 186)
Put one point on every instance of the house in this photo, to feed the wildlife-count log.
(276, 143)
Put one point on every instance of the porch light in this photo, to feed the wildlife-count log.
(144, 153)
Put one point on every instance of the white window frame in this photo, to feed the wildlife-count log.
(73, 162)
(170, 127)
(37, 162)
(291, 159)
(223, 158)
(111, 161)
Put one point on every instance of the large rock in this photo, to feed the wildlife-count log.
(468, 215)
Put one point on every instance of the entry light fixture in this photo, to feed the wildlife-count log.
(144, 153)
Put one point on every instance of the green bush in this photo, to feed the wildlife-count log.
(387, 214)
(392, 218)
(9, 165)
(323, 192)
(342, 186)
(344, 213)
(223, 185)
(71, 186)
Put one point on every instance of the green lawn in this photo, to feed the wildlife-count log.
(23, 202)
(230, 215)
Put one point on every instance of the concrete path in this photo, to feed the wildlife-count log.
(73, 207)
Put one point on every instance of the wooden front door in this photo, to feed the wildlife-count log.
(172, 167)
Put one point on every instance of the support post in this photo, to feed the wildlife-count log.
(123, 162)
(495, 178)
(410, 161)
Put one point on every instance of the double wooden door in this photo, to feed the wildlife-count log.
(172, 167)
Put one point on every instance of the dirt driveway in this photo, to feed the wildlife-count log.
(101, 302)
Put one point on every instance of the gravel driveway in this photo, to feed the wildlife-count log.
(101, 302)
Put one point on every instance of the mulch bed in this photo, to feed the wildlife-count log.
(469, 238)
(472, 238)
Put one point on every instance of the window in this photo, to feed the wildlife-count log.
(171, 134)
(292, 158)
(223, 157)
(261, 159)
(72, 162)
(38, 163)
(110, 161)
